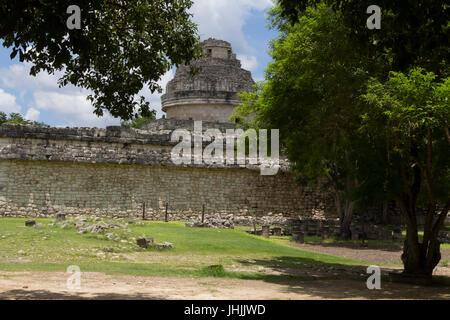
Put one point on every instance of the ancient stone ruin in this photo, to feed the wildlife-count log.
(125, 172)
(211, 94)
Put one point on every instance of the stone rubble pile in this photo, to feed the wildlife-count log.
(215, 222)
(328, 228)
(276, 231)
(111, 229)
(105, 229)
(164, 245)
(229, 221)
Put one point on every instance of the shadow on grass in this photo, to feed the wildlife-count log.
(358, 245)
(337, 281)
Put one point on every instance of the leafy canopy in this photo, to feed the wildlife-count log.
(311, 92)
(407, 124)
(122, 45)
(139, 121)
(415, 32)
(17, 118)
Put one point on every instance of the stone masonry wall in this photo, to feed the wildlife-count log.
(37, 188)
(113, 172)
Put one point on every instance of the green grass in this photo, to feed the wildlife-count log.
(443, 245)
(232, 253)
(241, 255)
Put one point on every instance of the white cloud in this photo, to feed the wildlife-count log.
(8, 103)
(68, 103)
(248, 62)
(224, 19)
(32, 114)
(72, 108)
(17, 76)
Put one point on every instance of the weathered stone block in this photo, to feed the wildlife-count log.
(144, 242)
(30, 223)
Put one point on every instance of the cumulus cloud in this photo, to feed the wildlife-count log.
(32, 114)
(69, 103)
(8, 103)
(17, 76)
(224, 19)
(248, 62)
(73, 108)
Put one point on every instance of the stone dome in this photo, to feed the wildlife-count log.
(211, 94)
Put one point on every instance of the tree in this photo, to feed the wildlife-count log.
(312, 95)
(121, 46)
(17, 118)
(139, 121)
(415, 33)
(406, 124)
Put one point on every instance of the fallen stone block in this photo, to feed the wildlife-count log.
(144, 242)
(164, 245)
(276, 232)
(30, 223)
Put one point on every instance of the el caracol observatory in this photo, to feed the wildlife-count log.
(211, 94)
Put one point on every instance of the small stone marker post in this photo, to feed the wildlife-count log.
(143, 210)
(266, 231)
(166, 219)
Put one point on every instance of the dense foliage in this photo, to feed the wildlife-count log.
(17, 118)
(138, 121)
(415, 32)
(346, 116)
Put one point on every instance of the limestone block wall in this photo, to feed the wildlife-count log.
(113, 172)
(38, 188)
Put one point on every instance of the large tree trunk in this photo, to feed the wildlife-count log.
(418, 261)
(385, 212)
(421, 258)
(347, 220)
(345, 210)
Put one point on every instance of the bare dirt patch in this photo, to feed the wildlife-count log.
(52, 285)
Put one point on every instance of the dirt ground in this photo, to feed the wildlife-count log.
(52, 285)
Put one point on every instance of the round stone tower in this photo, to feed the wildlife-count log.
(211, 94)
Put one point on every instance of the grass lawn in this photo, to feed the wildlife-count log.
(232, 253)
(242, 255)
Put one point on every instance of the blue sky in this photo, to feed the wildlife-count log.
(241, 22)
